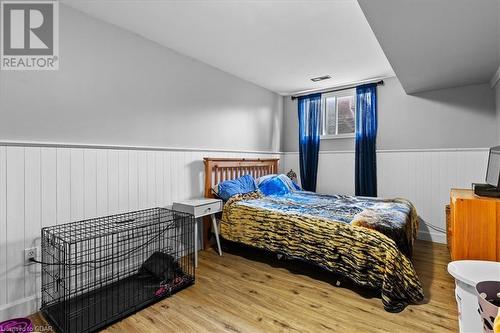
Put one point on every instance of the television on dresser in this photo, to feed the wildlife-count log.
(492, 186)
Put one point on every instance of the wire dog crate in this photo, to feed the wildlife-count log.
(97, 271)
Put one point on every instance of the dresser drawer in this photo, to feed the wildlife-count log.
(198, 208)
(207, 209)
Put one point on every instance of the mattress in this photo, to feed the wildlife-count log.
(367, 240)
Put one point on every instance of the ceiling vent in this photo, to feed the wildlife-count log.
(321, 78)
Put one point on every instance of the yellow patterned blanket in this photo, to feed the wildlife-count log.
(350, 246)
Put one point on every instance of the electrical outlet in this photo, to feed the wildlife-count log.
(30, 253)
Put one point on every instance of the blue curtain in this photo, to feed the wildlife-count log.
(309, 131)
(366, 134)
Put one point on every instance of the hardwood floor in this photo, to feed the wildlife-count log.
(237, 293)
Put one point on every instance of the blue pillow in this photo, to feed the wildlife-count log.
(242, 185)
(263, 178)
(274, 186)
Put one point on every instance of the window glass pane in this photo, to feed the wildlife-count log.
(330, 118)
(346, 109)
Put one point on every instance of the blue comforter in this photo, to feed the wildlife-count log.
(388, 216)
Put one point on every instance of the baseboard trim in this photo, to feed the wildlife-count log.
(19, 308)
(432, 237)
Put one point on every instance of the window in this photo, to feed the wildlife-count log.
(338, 114)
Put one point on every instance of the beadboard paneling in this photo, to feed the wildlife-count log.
(423, 176)
(48, 185)
(48, 196)
(15, 223)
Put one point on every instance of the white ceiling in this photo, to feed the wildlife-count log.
(435, 44)
(276, 44)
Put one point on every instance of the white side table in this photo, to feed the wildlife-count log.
(200, 208)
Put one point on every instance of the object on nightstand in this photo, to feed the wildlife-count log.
(199, 208)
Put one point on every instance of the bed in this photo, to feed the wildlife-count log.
(368, 240)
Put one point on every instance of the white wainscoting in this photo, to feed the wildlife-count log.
(423, 176)
(46, 184)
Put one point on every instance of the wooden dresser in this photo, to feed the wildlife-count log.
(473, 230)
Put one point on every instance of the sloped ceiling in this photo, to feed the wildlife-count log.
(433, 44)
(277, 44)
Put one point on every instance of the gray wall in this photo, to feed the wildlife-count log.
(462, 117)
(497, 97)
(115, 87)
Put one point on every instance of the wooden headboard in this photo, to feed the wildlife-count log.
(220, 169)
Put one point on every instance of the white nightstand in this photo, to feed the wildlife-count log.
(200, 208)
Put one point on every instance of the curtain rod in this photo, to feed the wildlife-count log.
(378, 82)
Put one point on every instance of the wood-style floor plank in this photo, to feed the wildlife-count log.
(250, 291)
